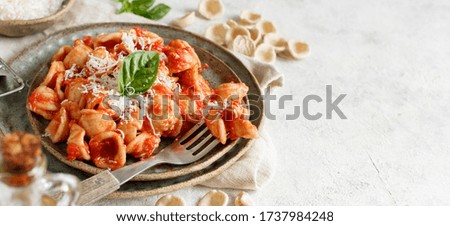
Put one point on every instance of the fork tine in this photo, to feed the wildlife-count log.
(207, 149)
(196, 137)
(199, 145)
(191, 131)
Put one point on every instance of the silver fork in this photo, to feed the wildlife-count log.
(179, 152)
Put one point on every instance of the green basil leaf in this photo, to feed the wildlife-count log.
(138, 73)
(124, 75)
(157, 12)
(126, 6)
(141, 6)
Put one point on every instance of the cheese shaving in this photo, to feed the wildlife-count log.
(98, 66)
(70, 73)
(145, 43)
(128, 41)
(165, 80)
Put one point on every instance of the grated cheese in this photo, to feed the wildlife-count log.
(101, 85)
(128, 41)
(143, 42)
(165, 80)
(70, 73)
(107, 85)
(28, 9)
(121, 103)
(98, 66)
(102, 74)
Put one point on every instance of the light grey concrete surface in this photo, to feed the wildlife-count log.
(391, 58)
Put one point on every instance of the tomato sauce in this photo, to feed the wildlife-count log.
(106, 152)
(73, 152)
(88, 40)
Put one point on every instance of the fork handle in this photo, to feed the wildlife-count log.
(97, 187)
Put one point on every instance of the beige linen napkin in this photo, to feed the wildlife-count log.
(256, 167)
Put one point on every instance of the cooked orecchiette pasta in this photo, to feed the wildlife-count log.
(74, 90)
(58, 128)
(130, 126)
(87, 109)
(77, 147)
(242, 128)
(59, 85)
(55, 68)
(217, 128)
(143, 146)
(95, 122)
(181, 56)
(108, 40)
(108, 150)
(61, 53)
(231, 91)
(72, 108)
(44, 101)
(79, 55)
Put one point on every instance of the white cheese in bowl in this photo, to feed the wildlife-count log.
(28, 9)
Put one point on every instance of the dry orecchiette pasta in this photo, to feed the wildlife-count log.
(211, 9)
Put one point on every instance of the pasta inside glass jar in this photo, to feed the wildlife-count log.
(24, 180)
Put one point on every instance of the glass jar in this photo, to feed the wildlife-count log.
(34, 186)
